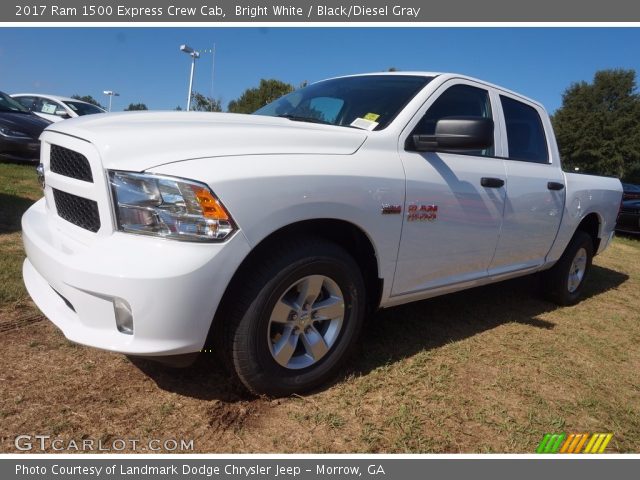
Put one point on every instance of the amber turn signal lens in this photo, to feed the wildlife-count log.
(211, 208)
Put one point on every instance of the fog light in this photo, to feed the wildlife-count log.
(124, 317)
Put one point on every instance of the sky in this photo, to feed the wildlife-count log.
(145, 64)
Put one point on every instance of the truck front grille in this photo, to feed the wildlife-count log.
(77, 210)
(70, 164)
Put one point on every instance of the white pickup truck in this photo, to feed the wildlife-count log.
(274, 235)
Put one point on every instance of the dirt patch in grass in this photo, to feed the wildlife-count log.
(488, 370)
(18, 314)
(224, 416)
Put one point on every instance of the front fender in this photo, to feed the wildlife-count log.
(265, 193)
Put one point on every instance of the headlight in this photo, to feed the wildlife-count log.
(7, 132)
(168, 207)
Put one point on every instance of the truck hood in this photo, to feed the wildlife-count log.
(141, 140)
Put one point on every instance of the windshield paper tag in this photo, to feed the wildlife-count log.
(364, 124)
(371, 117)
(49, 108)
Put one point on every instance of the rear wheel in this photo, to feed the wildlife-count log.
(564, 282)
(294, 318)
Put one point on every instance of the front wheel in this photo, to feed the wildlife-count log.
(295, 318)
(564, 282)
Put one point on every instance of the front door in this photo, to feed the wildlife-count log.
(454, 201)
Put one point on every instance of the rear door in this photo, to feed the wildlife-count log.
(535, 186)
(451, 220)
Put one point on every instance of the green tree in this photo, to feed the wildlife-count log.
(598, 125)
(136, 106)
(254, 98)
(88, 99)
(178, 108)
(201, 103)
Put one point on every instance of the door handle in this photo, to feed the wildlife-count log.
(555, 185)
(491, 182)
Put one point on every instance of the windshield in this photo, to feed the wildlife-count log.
(82, 108)
(370, 102)
(8, 104)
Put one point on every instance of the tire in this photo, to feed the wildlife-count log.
(564, 282)
(272, 339)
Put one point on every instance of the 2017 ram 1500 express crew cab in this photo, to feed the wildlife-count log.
(273, 234)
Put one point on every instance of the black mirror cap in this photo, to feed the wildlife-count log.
(457, 133)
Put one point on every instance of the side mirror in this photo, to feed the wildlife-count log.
(62, 113)
(457, 133)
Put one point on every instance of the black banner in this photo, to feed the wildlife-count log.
(326, 11)
(288, 468)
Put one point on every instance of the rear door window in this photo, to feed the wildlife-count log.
(525, 132)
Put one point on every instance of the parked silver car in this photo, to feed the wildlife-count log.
(55, 108)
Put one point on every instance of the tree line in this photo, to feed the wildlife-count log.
(597, 127)
(251, 100)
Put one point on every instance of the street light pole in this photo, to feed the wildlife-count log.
(111, 94)
(193, 67)
(194, 55)
(212, 51)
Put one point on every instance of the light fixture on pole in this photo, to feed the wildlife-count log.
(193, 54)
(111, 94)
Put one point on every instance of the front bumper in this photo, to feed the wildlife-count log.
(628, 222)
(173, 288)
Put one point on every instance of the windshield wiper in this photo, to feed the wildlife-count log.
(299, 118)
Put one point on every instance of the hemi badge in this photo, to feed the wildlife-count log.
(391, 209)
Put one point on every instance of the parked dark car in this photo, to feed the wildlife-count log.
(629, 217)
(630, 191)
(19, 131)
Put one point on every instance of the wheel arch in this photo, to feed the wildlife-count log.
(591, 225)
(346, 234)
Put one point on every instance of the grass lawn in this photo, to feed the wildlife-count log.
(488, 370)
(18, 189)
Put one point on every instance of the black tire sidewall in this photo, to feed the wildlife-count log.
(253, 361)
(559, 275)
